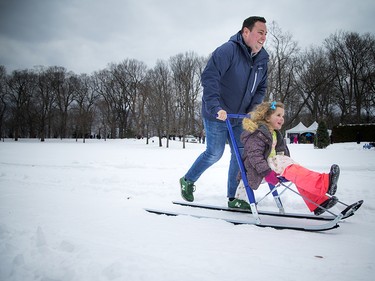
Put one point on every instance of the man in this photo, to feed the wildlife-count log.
(234, 81)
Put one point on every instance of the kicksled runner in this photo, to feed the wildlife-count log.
(277, 219)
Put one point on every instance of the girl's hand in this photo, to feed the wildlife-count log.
(272, 178)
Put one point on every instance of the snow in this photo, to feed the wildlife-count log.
(75, 211)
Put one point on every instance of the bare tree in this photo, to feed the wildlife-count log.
(86, 96)
(352, 60)
(136, 73)
(3, 101)
(62, 84)
(284, 52)
(109, 108)
(43, 102)
(186, 69)
(315, 83)
(21, 86)
(129, 75)
(160, 100)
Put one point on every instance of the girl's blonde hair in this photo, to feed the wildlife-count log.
(260, 115)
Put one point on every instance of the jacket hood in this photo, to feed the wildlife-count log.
(250, 127)
(237, 38)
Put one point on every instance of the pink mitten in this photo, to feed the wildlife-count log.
(272, 178)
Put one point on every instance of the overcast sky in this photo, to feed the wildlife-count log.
(86, 35)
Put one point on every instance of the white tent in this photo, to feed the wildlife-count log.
(299, 129)
(313, 127)
(302, 129)
(308, 132)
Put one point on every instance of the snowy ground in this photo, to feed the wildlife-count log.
(74, 211)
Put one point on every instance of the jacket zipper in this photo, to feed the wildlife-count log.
(255, 81)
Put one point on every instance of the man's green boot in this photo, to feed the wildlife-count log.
(187, 189)
(238, 204)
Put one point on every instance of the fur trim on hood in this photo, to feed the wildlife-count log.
(250, 125)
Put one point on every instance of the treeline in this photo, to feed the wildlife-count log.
(334, 82)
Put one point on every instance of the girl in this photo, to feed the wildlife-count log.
(267, 156)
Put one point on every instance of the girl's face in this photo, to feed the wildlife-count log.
(276, 120)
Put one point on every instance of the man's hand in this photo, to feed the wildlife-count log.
(222, 115)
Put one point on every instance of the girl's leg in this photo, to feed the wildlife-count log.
(310, 184)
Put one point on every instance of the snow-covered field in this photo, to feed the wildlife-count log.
(75, 211)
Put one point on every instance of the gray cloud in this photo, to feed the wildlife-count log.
(86, 35)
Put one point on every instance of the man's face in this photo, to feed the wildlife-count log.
(256, 37)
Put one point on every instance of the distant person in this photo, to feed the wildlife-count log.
(266, 156)
(234, 81)
(358, 137)
(203, 134)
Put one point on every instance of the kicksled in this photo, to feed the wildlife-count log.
(278, 219)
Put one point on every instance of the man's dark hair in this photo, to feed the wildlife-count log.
(250, 22)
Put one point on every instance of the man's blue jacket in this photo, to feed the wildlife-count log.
(233, 80)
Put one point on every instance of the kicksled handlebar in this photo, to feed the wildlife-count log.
(237, 116)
